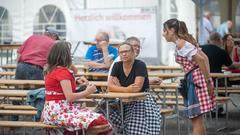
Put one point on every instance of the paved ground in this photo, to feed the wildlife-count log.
(171, 125)
(233, 127)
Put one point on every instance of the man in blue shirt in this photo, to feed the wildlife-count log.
(224, 28)
(99, 57)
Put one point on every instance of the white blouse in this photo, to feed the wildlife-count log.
(188, 50)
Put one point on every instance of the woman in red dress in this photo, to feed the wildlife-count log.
(60, 93)
(199, 97)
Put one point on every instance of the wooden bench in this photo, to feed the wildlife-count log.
(24, 124)
(22, 83)
(16, 107)
(9, 67)
(222, 99)
(18, 112)
(30, 124)
(7, 73)
(9, 51)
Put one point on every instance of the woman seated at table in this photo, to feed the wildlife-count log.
(130, 76)
(60, 93)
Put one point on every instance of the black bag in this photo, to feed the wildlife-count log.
(183, 86)
(81, 88)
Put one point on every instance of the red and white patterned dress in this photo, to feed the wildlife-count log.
(58, 111)
(206, 101)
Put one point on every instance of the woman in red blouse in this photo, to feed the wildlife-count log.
(60, 93)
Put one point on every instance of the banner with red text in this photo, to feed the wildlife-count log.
(119, 23)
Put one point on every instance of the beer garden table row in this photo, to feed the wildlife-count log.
(7, 53)
(104, 83)
(84, 68)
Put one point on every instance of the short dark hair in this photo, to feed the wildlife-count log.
(59, 55)
(215, 36)
(130, 39)
(105, 36)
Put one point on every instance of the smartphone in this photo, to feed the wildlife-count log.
(81, 88)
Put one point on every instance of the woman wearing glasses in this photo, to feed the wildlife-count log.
(130, 76)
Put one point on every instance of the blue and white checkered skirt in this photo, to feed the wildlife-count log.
(140, 118)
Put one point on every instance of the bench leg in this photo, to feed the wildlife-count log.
(164, 124)
(24, 131)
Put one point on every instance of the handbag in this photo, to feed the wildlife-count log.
(183, 86)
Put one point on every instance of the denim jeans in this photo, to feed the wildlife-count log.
(25, 71)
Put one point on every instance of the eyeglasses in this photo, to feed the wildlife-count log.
(124, 51)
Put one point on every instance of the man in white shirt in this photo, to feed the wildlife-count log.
(207, 28)
(135, 43)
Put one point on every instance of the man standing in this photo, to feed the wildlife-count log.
(99, 57)
(207, 28)
(224, 28)
(32, 55)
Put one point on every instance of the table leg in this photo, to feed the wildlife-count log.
(121, 107)
(107, 108)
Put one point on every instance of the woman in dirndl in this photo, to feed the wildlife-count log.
(60, 93)
(200, 97)
(130, 76)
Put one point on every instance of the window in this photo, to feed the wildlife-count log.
(52, 16)
(5, 27)
(173, 9)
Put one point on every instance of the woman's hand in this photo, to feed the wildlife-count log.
(210, 87)
(155, 80)
(82, 80)
(91, 88)
(133, 88)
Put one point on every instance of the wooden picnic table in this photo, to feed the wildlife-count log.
(9, 46)
(224, 75)
(97, 75)
(13, 93)
(113, 43)
(7, 73)
(149, 67)
(124, 96)
(158, 67)
(8, 66)
(84, 68)
(22, 82)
